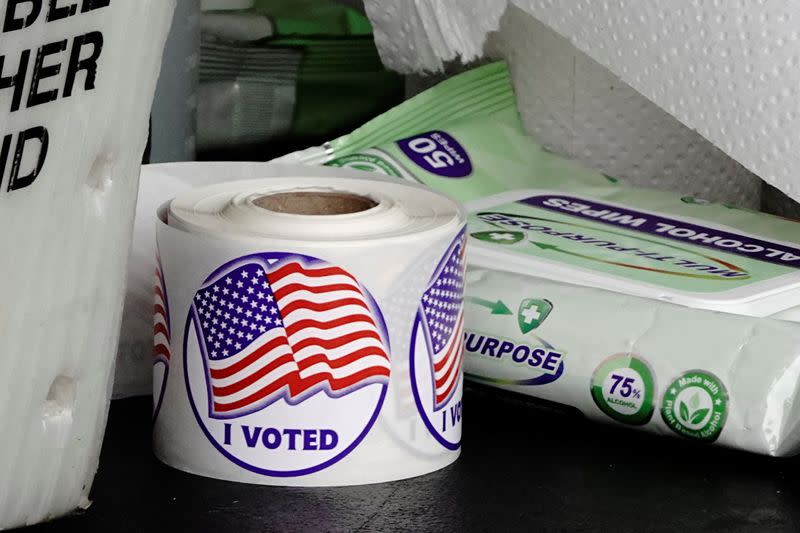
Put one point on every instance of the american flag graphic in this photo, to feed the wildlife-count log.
(161, 329)
(288, 330)
(443, 316)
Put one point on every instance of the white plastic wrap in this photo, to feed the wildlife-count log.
(70, 147)
(311, 343)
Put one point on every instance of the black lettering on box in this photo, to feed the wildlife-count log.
(4, 151)
(42, 71)
(12, 22)
(38, 133)
(17, 81)
(91, 5)
(56, 12)
(88, 64)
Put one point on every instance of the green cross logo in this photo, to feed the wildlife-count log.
(532, 313)
(500, 236)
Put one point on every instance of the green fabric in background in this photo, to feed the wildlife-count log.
(340, 81)
(341, 84)
(313, 17)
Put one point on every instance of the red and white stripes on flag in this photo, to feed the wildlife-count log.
(286, 331)
(447, 364)
(161, 329)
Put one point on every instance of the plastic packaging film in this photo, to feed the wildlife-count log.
(76, 85)
(705, 376)
(308, 327)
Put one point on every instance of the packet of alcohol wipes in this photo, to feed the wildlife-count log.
(637, 307)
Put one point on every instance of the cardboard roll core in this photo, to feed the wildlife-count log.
(315, 203)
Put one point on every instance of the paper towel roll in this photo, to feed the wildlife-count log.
(76, 83)
(311, 330)
(725, 69)
(579, 109)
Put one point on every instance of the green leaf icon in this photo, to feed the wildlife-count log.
(532, 313)
(500, 236)
(683, 411)
(699, 416)
(694, 401)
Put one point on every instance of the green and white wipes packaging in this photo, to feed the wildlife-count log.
(638, 307)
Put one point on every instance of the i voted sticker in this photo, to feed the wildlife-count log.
(437, 348)
(286, 362)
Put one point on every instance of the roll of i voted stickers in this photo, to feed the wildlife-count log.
(308, 328)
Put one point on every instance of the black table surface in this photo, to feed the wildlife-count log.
(523, 468)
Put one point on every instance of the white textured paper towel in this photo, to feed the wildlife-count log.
(728, 71)
(579, 109)
(422, 35)
(65, 234)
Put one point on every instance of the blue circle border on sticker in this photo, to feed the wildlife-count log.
(288, 473)
(417, 399)
(456, 246)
